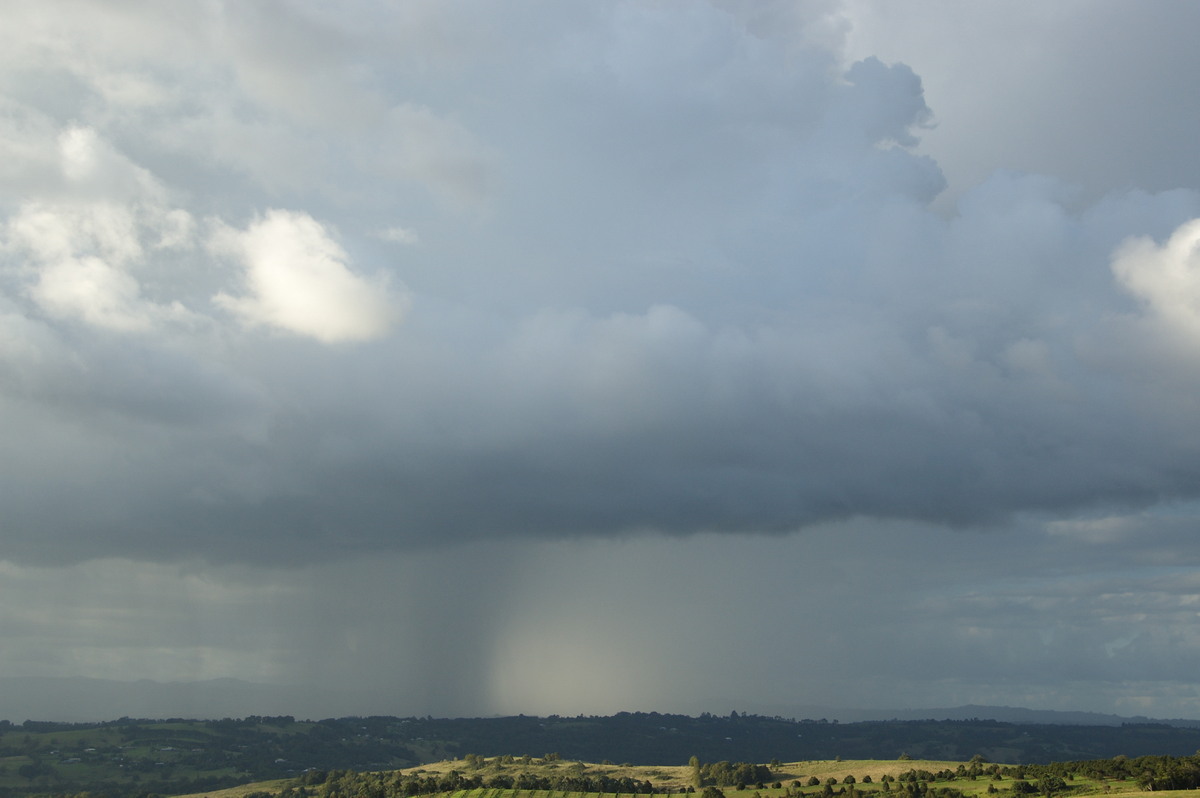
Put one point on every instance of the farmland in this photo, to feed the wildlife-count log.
(552, 777)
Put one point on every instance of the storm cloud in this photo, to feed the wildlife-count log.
(284, 285)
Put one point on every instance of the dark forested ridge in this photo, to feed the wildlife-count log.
(132, 757)
(652, 738)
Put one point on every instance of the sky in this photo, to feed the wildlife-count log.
(477, 358)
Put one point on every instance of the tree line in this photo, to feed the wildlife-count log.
(1148, 772)
(352, 784)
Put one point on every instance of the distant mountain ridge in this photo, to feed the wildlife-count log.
(79, 699)
(985, 712)
(1048, 716)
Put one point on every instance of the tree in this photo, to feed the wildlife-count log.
(1048, 785)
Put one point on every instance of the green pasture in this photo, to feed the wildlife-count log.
(793, 778)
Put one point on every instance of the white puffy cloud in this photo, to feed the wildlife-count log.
(83, 258)
(297, 281)
(1165, 277)
(92, 290)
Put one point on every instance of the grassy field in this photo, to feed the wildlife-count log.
(793, 778)
(242, 790)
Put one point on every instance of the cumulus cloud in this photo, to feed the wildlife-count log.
(297, 281)
(92, 290)
(82, 259)
(708, 291)
(1031, 117)
(1165, 277)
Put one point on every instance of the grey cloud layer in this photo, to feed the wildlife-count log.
(875, 615)
(276, 285)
